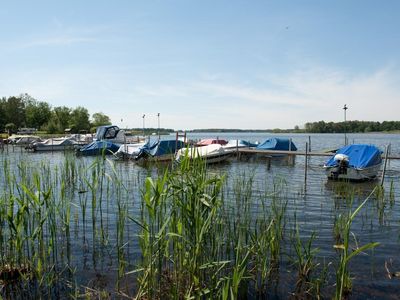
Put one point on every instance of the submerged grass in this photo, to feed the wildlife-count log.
(200, 234)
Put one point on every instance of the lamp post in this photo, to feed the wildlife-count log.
(143, 124)
(158, 116)
(345, 136)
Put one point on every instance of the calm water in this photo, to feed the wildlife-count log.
(315, 204)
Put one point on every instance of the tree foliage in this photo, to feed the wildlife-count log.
(99, 119)
(25, 111)
(351, 126)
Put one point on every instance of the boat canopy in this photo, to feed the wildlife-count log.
(274, 143)
(162, 147)
(359, 156)
(106, 132)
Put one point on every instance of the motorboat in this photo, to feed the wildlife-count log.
(107, 140)
(129, 151)
(23, 140)
(277, 144)
(233, 144)
(159, 150)
(98, 148)
(354, 162)
(54, 144)
(206, 142)
(213, 153)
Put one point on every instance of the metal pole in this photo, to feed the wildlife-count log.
(345, 108)
(158, 119)
(143, 124)
(305, 169)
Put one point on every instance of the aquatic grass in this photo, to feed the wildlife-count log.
(305, 263)
(201, 233)
(343, 280)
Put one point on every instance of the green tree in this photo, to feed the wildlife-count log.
(79, 119)
(100, 119)
(15, 111)
(10, 128)
(2, 114)
(37, 113)
(61, 118)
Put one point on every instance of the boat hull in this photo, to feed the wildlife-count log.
(355, 174)
(53, 148)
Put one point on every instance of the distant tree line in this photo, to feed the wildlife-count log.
(25, 111)
(351, 126)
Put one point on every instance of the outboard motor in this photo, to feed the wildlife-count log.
(343, 163)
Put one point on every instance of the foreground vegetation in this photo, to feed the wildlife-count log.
(198, 237)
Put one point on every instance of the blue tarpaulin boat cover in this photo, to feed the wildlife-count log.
(277, 144)
(360, 156)
(158, 148)
(98, 147)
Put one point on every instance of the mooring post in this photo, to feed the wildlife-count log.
(384, 166)
(237, 149)
(290, 149)
(305, 168)
(269, 162)
(309, 143)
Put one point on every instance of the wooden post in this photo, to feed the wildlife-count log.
(269, 162)
(305, 168)
(384, 166)
(237, 149)
(309, 143)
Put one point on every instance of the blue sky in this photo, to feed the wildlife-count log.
(206, 64)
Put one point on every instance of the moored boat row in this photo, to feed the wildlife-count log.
(353, 162)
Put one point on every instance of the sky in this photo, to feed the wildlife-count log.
(206, 64)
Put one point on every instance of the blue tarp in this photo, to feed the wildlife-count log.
(158, 148)
(98, 147)
(277, 144)
(360, 156)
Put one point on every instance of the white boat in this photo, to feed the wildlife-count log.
(54, 144)
(234, 144)
(129, 151)
(212, 153)
(23, 140)
(354, 162)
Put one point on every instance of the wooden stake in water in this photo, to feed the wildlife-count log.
(305, 168)
(309, 143)
(384, 166)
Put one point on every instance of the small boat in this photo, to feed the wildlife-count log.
(159, 150)
(98, 148)
(23, 140)
(55, 144)
(206, 142)
(279, 144)
(354, 162)
(233, 144)
(129, 151)
(213, 153)
(107, 140)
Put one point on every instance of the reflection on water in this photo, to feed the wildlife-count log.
(314, 204)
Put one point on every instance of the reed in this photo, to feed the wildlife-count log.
(202, 234)
(343, 280)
